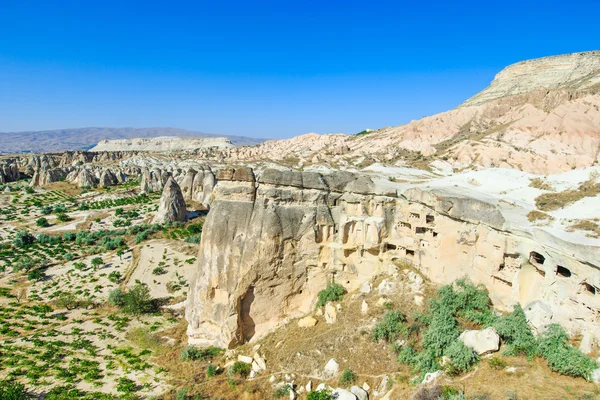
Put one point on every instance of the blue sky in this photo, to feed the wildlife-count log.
(266, 68)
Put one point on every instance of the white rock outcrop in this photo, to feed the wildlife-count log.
(482, 341)
(172, 206)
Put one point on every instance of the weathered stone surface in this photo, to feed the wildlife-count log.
(482, 341)
(360, 393)
(343, 394)
(332, 369)
(172, 205)
(307, 322)
(330, 313)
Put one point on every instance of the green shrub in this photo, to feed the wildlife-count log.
(461, 356)
(114, 277)
(211, 370)
(159, 271)
(194, 239)
(12, 391)
(562, 357)
(282, 392)
(392, 326)
(515, 332)
(321, 395)
(36, 275)
(347, 377)
(193, 353)
(496, 363)
(115, 298)
(181, 394)
(194, 229)
(126, 385)
(42, 222)
(240, 368)
(63, 217)
(442, 331)
(23, 239)
(137, 300)
(333, 292)
(46, 210)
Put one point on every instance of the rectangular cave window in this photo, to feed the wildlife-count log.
(415, 215)
(590, 289)
(429, 219)
(562, 271)
(420, 230)
(410, 253)
(536, 258)
(389, 246)
(405, 225)
(435, 234)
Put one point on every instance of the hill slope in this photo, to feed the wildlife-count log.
(540, 116)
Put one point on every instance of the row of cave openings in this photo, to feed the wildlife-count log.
(537, 260)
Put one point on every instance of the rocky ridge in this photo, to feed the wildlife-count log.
(162, 144)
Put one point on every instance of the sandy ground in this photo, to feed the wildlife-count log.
(178, 271)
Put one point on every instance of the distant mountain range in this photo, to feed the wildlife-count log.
(86, 138)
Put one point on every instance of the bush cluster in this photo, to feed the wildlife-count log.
(333, 292)
(461, 305)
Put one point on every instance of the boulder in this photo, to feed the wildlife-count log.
(245, 359)
(307, 322)
(539, 315)
(330, 313)
(596, 375)
(482, 341)
(342, 394)
(366, 288)
(360, 393)
(431, 377)
(364, 308)
(587, 343)
(332, 369)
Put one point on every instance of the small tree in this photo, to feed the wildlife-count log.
(138, 300)
(96, 262)
(63, 217)
(23, 239)
(42, 222)
(36, 275)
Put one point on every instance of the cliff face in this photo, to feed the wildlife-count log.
(271, 243)
(577, 72)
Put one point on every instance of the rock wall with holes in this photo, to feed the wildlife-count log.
(272, 242)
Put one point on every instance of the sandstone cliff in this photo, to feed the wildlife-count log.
(271, 242)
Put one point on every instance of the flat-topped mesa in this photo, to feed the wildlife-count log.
(576, 72)
(273, 240)
(163, 144)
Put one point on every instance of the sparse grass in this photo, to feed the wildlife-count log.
(557, 200)
(587, 225)
(535, 215)
(540, 183)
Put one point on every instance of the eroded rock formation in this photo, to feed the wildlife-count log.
(271, 243)
(172, 205)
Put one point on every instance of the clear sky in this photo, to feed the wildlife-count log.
(266, 68)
